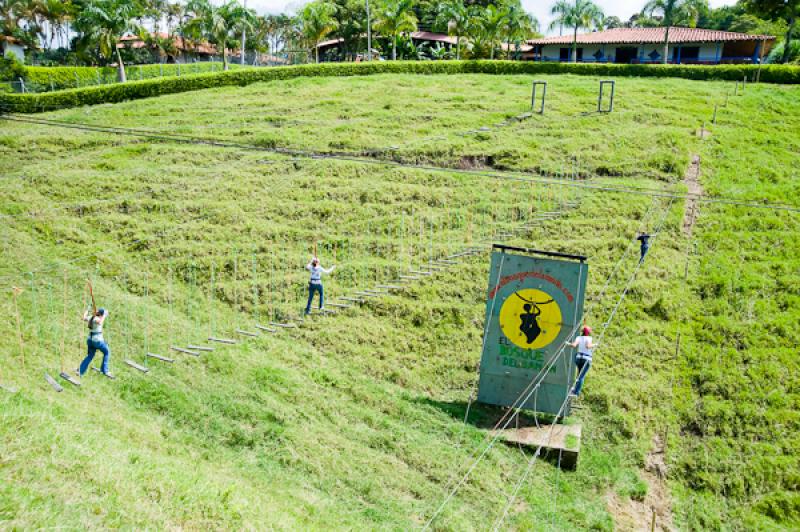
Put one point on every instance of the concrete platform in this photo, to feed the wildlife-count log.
(554, 439)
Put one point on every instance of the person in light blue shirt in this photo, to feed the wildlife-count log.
(315, 283)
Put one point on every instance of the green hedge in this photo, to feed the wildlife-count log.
(32, 103)
(43, 79)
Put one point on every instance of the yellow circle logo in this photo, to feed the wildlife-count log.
(530, 318)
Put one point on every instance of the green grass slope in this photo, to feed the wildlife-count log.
(355, 420)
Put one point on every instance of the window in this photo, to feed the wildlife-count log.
(563, 54)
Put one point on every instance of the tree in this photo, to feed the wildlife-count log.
(611, 23)
(455, 15)
(227, 22)
(317, 21)
(103, 22)
(788, 10)
(578, 14)
(519, 27)
(490, 22)
(395, 17)
(674, 12)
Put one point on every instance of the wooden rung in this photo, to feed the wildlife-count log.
(69, 378)
(353, 299)
(159, 357)
(417, 272)
(284, 325)
(9, 389)
(199, 347)
(246, 333)
(339, 305)
(187, 351)
(101, 373)
(134, 365)
(52, 382)
(411, 277)
(389, 287)
(221, 340)
(265, 328)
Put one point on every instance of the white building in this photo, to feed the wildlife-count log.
(11, 46)
(646, 45)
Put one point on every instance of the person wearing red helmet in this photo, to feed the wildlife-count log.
(583, 358)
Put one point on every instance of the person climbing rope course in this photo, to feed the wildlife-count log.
(315, 283)
(583, 358)
(95, 341)
(644, 238)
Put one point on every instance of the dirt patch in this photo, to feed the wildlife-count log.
(638, 515)
(692, 180)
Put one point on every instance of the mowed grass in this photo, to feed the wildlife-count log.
(354, 421)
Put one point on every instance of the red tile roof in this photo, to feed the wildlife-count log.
(134, 41)
(652, 35)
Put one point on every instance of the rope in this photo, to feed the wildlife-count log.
(357, 158)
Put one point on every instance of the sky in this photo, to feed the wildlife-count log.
(540, 8)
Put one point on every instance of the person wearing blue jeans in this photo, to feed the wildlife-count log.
(95, 342)
(315, 283)
(583, 358)
(644, 238)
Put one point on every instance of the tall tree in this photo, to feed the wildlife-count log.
(673, 13)
(103, 22)
(576, 14)
(455, 15)
(519, 27)
(317, 22)
(788, 10)
(491, 20)
(395, 17)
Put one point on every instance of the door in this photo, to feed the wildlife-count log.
(563, 55)
(626, 54)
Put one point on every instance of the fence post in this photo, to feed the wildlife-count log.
(179, 68)
(161, 69)
(77, 80)
(99, 79)
(22, 85)
(50, 77)
(714, 120)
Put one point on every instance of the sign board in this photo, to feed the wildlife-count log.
(534, 305)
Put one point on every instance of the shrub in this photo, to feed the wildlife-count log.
(32, 103)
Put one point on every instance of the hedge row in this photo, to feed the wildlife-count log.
(32, 103)
(43, 79)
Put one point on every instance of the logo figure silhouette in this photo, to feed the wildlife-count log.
(529, 320)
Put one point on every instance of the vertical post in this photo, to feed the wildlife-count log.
(244, 33)
(16, 292)
(369, 34)
(21, 85)
(77, 80)
(653, 521)
(714, 119)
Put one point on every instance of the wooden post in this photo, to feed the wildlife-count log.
(653, 521)
(16, 291)
(714, 120)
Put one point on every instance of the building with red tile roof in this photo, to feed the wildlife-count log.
(646, 45)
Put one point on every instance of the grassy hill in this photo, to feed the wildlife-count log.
(355, 420)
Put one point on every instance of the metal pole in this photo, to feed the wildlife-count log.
(244, 32)
(369, 34)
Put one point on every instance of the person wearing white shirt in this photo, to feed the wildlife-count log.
(315, 283)
(583, 358)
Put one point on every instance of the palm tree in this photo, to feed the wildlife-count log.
(579, 14)
(395, 17)
(674, 12)
(519, 27)
(491, 21)
(456, 16)
(316, 20)
(103, 22)
(226, 21)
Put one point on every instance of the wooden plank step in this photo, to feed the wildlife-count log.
(134, 365)
(353, 299)
(390, 287)
(339, 305)
(199, 347)
(221, 340)
(283, 325)
(69, 378)
(95, 368)
(246, 333)
(186, 351)
(159, 357)
(410, 277)
(9, 389)
(417, 272)
(52, 382)
(265, 328)
(366, 294)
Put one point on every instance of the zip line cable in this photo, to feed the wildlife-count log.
(355, 158)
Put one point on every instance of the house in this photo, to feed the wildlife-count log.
(185, 48)
(646, 45)
(11, 46)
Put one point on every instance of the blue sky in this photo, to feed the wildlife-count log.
(541, 8)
